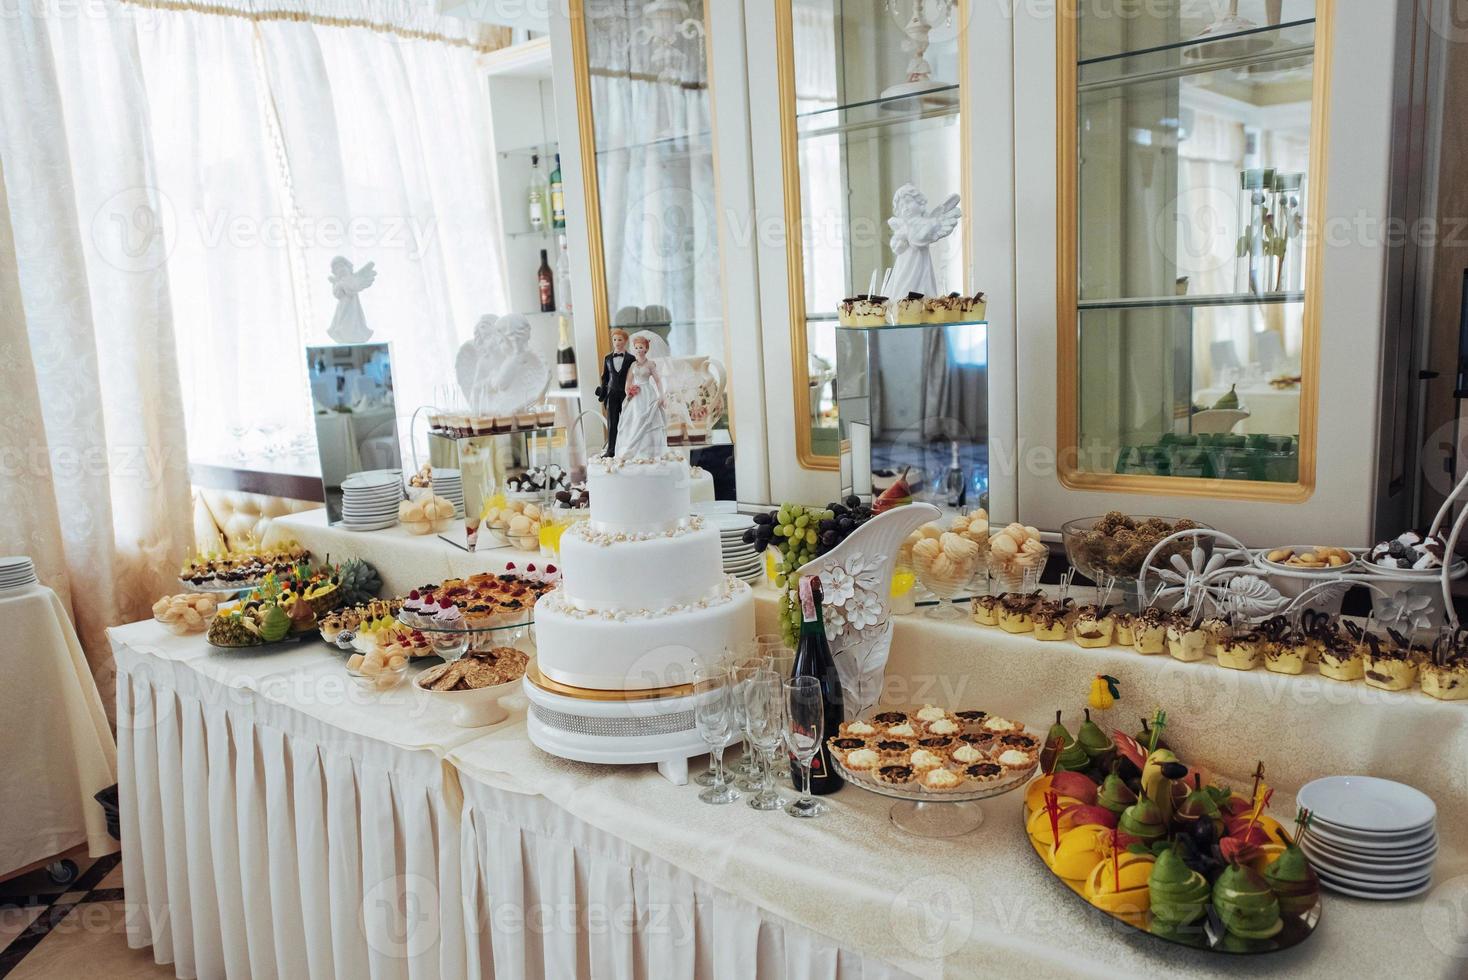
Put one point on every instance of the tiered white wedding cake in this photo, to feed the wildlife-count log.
(642, 585)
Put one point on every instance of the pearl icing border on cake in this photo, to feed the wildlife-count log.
(606, 539)
(559, 603)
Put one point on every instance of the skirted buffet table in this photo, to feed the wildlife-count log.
(280, 822)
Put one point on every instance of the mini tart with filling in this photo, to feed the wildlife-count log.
(864, 759)
(984, 773)
(942, 780)
(979, 740)
(965, 754)
(1024, 741)
(905, 729)
(858, 729)
(1016, 613)
(889, 718)
(1013, 761)
(943, 726)
(936, 743)
(929, 713)
(843, 744)
(1149, 633)
(1052, 620)
(970, 717)
(985, 610)
(1239, 651)
(895, 774)
(922, 759)
(894, 748)
(1001, 726)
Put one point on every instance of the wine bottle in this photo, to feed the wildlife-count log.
(537, 194)
(813, 659)
(547, 284)
(557, 197)
(566, 357)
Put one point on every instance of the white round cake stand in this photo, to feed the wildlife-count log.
(926, 813)
(660, 730)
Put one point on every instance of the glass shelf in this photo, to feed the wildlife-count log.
(890, 327)
(893, 112)
(525, 153)
(1166, 302)
(1241, 50)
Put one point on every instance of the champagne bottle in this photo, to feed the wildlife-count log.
(566, 357)
(537, 195)
(813, 659)
(547, 284)
(557, 197)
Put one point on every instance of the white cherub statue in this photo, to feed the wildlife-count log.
(349, 324)
(498, 371)
(914, 230)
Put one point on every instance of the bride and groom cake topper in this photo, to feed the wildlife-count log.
(633, 393)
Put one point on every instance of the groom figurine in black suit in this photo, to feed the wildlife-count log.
(613, 388)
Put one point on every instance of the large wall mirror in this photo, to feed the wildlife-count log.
(1190, 187)
(856, 128)
(647, 137)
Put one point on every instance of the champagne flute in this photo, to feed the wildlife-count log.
(747, 773)
(764, 699)
(780, 659)
(713, 713)
(802, 730)
(709, 776)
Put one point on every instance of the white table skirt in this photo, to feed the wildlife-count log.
(263, 837)
(54, 736)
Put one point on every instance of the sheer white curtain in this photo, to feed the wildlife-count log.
(94, 475)
(177, 183)
(285, 143)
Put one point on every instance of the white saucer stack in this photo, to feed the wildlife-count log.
(370, 499)
(740, 559)
(449, 484)
(16, 573)
(1370, 838)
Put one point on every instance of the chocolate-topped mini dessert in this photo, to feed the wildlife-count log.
(1016, 611)
(1342, 652)
(986, 609)
(893, 746)
(1239, 650)
(971, 717)
(984, 772)
(896, 775)
(1391, 664)
(1149, 631)
(1093, 626)
(890, 718)
(1052, 618)
(1445, 675)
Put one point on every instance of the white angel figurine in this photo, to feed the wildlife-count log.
(349, 324)
(642, 431)
(498, 371)
(914, 231)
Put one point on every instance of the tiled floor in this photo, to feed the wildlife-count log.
(70, 932)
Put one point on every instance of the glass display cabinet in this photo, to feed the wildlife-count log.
(642, 81)
(1191, 180)
(871, 101)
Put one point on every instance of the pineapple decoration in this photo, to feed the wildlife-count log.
(359, 582)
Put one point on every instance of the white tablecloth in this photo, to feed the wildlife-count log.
(280, 824)
(54, 738)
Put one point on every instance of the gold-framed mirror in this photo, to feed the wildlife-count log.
(857, 123)
(1191, 192)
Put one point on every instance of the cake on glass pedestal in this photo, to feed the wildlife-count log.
(643, 595)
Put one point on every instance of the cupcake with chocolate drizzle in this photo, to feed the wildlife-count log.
(986, 609)
(1239, 650)
(1445, 675)
(1093, 627)
(1016, 611)
(1052, 618)
(1150, 632)
(1286, 648)
(1341, 652)
(1391, 664)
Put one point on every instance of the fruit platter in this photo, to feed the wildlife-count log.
(286, 608)
(1158, 844)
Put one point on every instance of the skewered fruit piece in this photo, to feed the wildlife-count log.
(1129, 895)
(1293, 882)
(1179, 894)
(1246, 905)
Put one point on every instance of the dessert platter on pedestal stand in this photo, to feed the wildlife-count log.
(931, 813)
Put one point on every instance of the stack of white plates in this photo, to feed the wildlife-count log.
(1369, 837)
(16, 573)
(740, 559)
(450, 485)
(370, 499)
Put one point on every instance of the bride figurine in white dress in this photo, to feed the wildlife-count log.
(643, 429)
